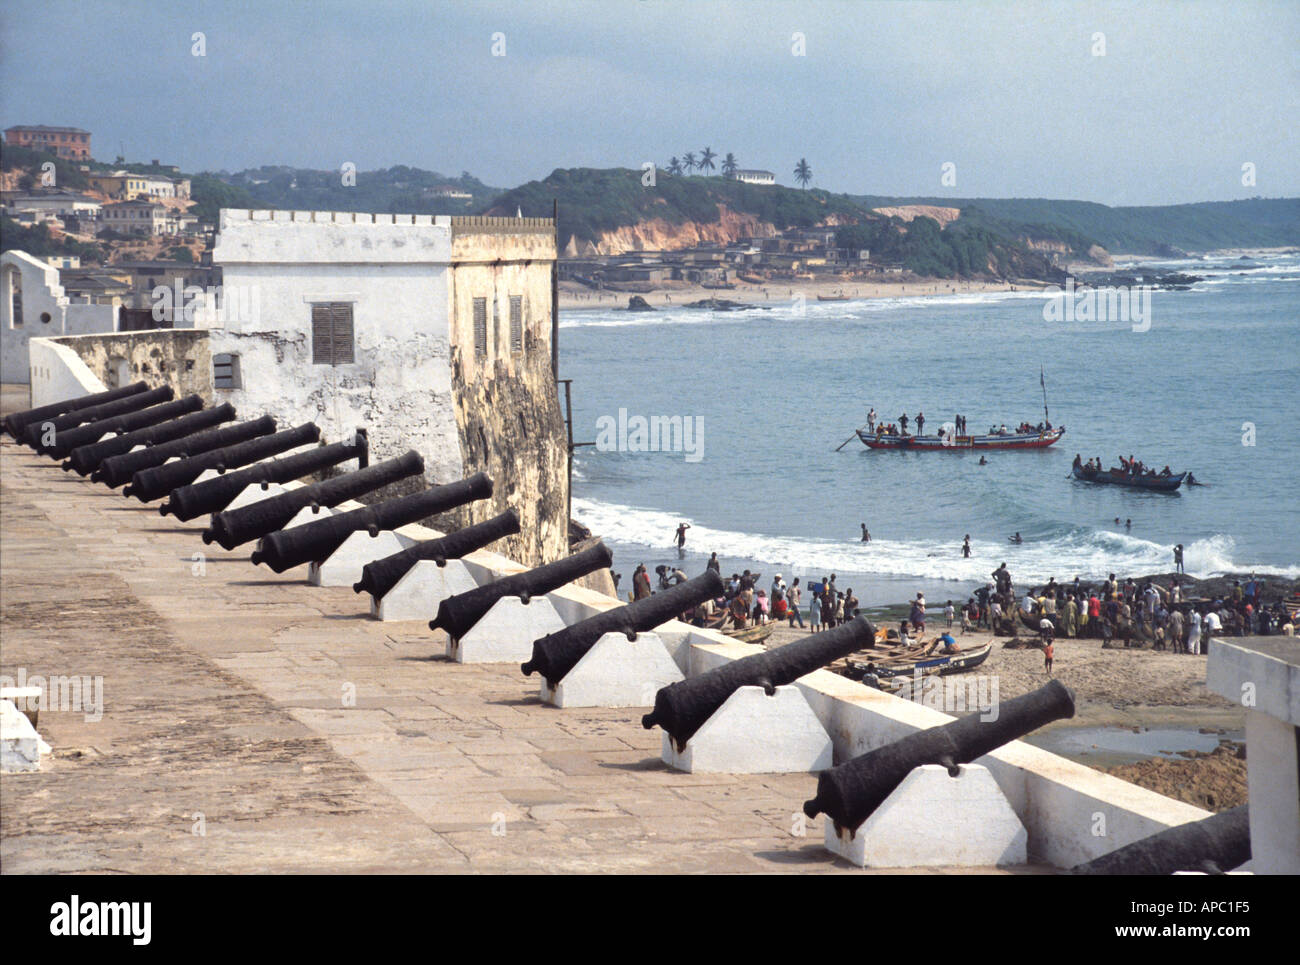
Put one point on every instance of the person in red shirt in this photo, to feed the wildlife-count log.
(1047, 657)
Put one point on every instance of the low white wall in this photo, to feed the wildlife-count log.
(1072, 812)
(57, 373)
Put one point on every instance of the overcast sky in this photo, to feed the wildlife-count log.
(1013, 94)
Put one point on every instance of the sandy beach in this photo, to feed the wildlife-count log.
(574, 295)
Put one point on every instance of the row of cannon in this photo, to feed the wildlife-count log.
(156, 448)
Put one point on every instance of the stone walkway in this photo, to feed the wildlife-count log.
(227, 694)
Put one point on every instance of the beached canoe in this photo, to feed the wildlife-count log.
(752, 634)
(832, 298)
(942, 664)
(1118, 477)
(956, 443)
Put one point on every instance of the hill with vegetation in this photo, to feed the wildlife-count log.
(1144, 230)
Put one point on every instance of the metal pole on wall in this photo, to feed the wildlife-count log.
(555, 296)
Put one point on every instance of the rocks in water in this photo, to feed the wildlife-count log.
(638, 304)
(722, 305)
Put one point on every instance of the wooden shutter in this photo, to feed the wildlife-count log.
(517, 324)
(331, 333)
(480, 328)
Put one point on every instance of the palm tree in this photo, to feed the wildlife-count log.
(802, 173)
(706, 159)
(674, 166)
(689, 160)
(729, 165)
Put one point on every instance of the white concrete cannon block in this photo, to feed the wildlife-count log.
(616, 672)
(933, 820)
(506, 632)
(753, 733)
(343, 566)
(425, 585)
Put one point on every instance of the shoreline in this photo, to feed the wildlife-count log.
(574, 296)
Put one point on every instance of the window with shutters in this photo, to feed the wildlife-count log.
(225, 371)
(517, 324)
(480, 328)
(331, 333)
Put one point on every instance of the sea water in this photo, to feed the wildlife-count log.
(1209, 382)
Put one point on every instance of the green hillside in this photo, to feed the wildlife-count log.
(1253, 223)
(593, 201)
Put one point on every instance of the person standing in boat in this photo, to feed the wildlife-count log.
(902, 423)
(920, 423)
(871, 421)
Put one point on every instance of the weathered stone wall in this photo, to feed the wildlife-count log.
(507, 410)
(180, 358)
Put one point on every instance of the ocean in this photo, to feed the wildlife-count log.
(1208, 380)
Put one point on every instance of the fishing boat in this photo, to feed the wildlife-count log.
(870, 671)
(1118, 477)
(832, 298)
(1037, 439)
(752, 634)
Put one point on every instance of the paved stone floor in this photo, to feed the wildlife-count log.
(224, 693)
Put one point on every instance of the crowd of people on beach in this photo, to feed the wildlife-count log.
(1146, 614)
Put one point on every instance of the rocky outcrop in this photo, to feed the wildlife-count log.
(945, 216)
(656, 234)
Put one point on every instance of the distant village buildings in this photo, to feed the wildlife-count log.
(753, 176)
(66, 142)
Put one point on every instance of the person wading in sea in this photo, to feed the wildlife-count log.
(681, 539)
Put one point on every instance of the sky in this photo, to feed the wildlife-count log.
(1120, 103)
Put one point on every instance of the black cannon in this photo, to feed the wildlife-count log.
(214, 495)
(16, 422)
(849, 793)
(149, 484)
(1215, 844)
(33, 432)
(117, 470)
(88, 459)
(555, 654)
(682, 708)
(234, 527)
(316, 540)
(380, 576)
(457, 614)
(84, 435)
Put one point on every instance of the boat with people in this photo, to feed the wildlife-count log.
(998, 437)
(1130, 474)
(877, 671)
(833, 298)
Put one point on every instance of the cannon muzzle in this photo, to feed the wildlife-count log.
(90, 460)
(288, 548)
(849, 793)
(149, 484)
(682, 708)
(16, 422)
(214, 495)
(555, 654)
(380, 576)
(84, 426)
(1216, 844)
(234, 527)
(457, 614)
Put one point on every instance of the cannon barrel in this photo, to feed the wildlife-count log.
(89, 459)
(119, 469)
(16, 422)
(849, 793)
(457, 614)
(1215, 844)
(150, 484)
(214, 495)
(90, 415)
(682, 708)
(555, 654)
(380, 576)
(70, 439)
(234, 527)
(316, 540)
